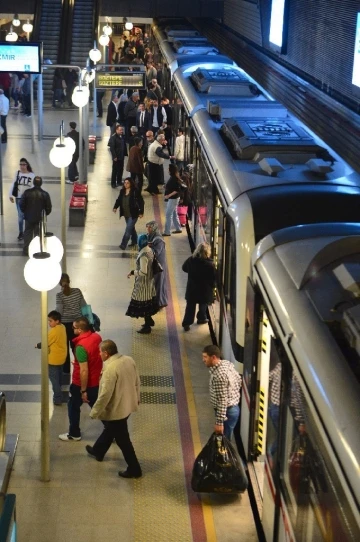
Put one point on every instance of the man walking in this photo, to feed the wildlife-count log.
(112, 114)
(84, 387)
(118, 152)
(32, 203)
(4, 110)
(119, 396)
(73, 173)
(225, 386)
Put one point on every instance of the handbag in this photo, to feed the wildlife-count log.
(15, 190)
(87, 312)
(156, 266)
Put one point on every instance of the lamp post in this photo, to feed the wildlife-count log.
(42, 273)
(60, 156)
(104, 41)
(80, 97)
(95, 56)
(27, 27)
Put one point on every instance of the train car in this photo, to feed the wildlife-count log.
(256, 169)
(300, 409)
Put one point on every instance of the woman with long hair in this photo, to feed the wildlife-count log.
(172, 197)
(200, 285)
(143, 303)
(131, 205)
(23, 180)
(157, 243)
(135, 164)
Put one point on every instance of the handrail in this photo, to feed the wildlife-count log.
(2, 421)
(66, 24)
(37, 21)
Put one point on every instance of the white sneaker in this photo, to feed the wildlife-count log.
(68, 181)
(66, 436)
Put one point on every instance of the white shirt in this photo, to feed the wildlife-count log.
(4, 105)
(155, 119)
(24, 180)
(142, 118)
(179, 152)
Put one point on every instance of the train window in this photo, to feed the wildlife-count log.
(317, 505)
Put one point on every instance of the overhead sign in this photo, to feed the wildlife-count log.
(20, 57)
(120, 80)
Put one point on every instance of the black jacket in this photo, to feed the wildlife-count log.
(201, 280)
(112, 114)
(33, 202)
(136, 203)
(130, 110)
(118, 146)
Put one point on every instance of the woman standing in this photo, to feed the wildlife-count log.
(143, 303)
(200, 285)
(131, 205)
(157, 243)
(172, 196)
(69, 303)
(135, 164)
(23, 180)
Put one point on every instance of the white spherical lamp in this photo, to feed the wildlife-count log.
(107, 30)
(128, 25)
(16, 20)
(104, 40)
(53, 246)
(95, 54)
(42, 273)
(11, 36)
(60, 156)
(80, 96)
(27, 27)
(68, 142)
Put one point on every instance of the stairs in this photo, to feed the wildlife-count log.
(50, 36)
(82, 32)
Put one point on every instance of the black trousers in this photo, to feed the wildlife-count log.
(3, 125)
(117, 172)
(118, 430)
(73, 173)
(31, 230)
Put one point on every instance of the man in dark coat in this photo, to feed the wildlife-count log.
(200, 285)
(32, 203)
(73, 173)
(118, 153)
(112, 114)
(142, 120)
(130, 111)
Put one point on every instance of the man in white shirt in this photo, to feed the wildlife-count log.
(158, 117)
(4, 110)
(179, 152)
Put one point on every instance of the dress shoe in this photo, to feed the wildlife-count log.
(90, 451)
(127, 474)
(177, 231)
(144, 330)
(186, 328)
(151, 323)
(122, 248)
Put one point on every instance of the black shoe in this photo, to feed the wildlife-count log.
(186, 328)
(177, 231)
(201, 322)
(113, 186)
(145, 330)
(122, 248)
(20, 237)
(151, 323)
(127, 474)
(90, 451)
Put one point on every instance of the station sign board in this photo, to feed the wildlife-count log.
(114, 79)
(25, 57)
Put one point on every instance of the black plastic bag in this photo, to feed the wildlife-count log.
(217, 468)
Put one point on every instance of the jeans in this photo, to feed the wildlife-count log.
(118, 430)
(232, 415)
(74, 405)
(55, 375)
(57, 96)
(117, 172)
(130, 231)
(171, 215)
(189, 315)
(20, 216)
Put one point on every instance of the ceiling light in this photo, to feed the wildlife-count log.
(11, 36)
(16, 20)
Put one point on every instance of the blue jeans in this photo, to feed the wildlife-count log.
(171, 215)
(20, 216)
(232, 415)
(55, 376)
(74, 405)
(130, 231)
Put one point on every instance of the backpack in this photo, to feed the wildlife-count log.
(97, 323)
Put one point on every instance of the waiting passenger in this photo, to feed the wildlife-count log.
(172, 198)
(135, 164)
(157, 243)
(156, 156)
(131, 206)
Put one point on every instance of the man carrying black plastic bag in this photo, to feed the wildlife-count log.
(217, 468)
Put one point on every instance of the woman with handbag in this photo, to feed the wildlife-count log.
(131, 206)
(69, 303)
(143, 303)
(23, 180)
(157, 243)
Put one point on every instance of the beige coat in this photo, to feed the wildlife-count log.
(119, 392)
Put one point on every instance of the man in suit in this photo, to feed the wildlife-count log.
(142, 120)
(118, 152)
(157, 117)
(112, 114)
(130, 113)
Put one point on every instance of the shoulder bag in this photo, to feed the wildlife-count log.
(15, 190)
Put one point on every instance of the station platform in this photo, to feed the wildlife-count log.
(86, 501)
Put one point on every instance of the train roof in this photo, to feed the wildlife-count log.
(309, 277)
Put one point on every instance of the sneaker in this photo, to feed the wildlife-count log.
(69, 182)
(28, 116)
(177, 231)
(66, 437)
(20, 237)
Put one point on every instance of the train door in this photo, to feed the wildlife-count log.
(218, 256)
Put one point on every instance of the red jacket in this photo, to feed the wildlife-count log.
(90, 342)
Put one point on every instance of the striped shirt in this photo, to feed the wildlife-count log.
(144, 286)
(69, 306)
(225, 386)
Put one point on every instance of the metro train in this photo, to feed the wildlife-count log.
(280, 210)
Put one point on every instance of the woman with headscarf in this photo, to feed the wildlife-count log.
(157, 243)
(143, 303)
